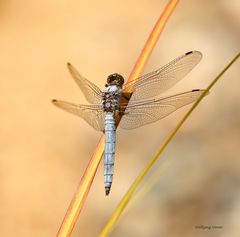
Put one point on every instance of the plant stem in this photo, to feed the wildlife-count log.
(121, 206)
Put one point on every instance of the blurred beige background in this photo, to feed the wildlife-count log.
(44, 150)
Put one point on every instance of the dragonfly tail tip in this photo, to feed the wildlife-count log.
(107, 190)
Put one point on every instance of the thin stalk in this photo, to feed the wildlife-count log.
(81, 193)
(122, 205)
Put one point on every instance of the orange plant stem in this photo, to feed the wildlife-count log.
(80, 196)
(152, 40)
(87, 179)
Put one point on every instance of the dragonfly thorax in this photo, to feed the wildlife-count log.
(111, 97)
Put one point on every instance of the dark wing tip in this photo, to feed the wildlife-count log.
(190, 52)
(54, 101)
(69, 64)
(194, 51)
(202, 90)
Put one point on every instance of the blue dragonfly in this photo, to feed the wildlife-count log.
(131, 105)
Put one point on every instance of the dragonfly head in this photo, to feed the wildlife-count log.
(115, 79)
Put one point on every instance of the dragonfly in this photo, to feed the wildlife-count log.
(133, 104)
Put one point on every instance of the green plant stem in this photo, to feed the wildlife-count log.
(119, 209)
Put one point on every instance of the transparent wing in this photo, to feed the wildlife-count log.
(151, 110)
(91, 92)
(92, 114)
(155, 83)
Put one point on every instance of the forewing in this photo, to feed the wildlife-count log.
(151, 110)
(91, 92)
(155, 83)
(92, 114)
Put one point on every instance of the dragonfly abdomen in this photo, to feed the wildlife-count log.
(109, 151)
